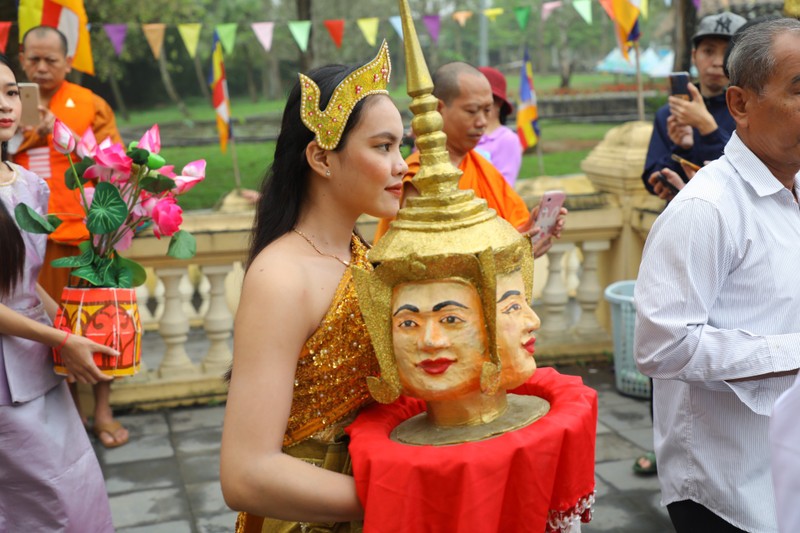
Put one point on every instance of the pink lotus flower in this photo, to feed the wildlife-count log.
(151, 140)
(87, 146)
(63, 138)
(192, 174)
(111, 163)
(167, 217)
(167, 170)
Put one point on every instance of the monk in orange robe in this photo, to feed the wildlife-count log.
(465, 100)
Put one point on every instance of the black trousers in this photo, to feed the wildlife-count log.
(691, 517)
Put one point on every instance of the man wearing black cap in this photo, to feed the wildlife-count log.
(696, 129)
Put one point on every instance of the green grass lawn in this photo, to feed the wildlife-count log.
(254, 158)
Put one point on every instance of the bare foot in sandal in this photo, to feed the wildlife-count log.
(111, 433)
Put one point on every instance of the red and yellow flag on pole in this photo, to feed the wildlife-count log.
(219, 94)
(69, 16)
(625, 15)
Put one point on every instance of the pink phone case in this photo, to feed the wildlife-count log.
(549, 208)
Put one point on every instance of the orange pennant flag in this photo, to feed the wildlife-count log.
(154, 33)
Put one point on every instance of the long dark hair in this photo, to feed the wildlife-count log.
(286, 183)
(12, 260)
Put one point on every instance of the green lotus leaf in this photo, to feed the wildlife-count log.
(31, 221)
(182, 245)
(108, 211)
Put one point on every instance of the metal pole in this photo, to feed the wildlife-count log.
(483, 35)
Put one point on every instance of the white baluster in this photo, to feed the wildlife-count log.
(218, 321)
(174, 326)
(589, 291)
(554, 295)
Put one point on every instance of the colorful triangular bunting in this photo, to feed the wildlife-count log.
(369, 27)
(462, 17)
(190, 34)
(227, 36)
(301, 31)
(336, 29)
(433, 25)
(493, 13)
(154, 33)
(584, 9)
(263, 31)
(397, 24)
(116, 34)
(5, 28)
(522, 13)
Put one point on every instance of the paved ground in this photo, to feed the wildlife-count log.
(166, 479)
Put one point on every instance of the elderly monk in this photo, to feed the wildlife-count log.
(465, 101)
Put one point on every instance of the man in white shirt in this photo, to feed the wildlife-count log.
(717, 298)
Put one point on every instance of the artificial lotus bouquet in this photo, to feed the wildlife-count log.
(132, 189)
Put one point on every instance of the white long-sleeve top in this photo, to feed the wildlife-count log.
(718, 299)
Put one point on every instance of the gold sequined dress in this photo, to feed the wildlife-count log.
(329, 388)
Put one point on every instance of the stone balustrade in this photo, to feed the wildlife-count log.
(599, 245)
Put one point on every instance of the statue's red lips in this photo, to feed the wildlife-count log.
(529, 345)
(436, 366)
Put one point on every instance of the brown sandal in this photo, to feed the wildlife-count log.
(111, 429)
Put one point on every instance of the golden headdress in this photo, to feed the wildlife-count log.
(328, 125)
(445, 232)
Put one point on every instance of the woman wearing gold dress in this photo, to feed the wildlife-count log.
(301, 350)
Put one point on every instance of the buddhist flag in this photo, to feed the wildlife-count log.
(219, 94)
(625, 15)
(528, 111)
(69, 16)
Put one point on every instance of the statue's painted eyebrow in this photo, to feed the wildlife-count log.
(441, 305)
(507, 294)
(406, 307)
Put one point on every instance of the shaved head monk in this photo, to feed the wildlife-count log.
(465, 101)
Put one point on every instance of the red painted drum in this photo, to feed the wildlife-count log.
(107, 316)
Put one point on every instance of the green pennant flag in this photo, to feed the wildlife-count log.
(522, 13)
(584, 9)
(301, 31)
(227, 36)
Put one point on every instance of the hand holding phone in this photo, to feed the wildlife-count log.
(679, 85)
(29, 94)
(685, 162)
(666, 183)
(549, 209)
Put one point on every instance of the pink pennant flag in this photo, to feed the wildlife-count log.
(5, 28)
(548, 8)
(116, 34)
(263, 31)
(433, 24)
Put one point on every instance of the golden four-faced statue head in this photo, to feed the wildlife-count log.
(446, 305)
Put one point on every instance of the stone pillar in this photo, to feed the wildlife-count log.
(590, 292)
(554, 295)
(218, 321)
(174, 326)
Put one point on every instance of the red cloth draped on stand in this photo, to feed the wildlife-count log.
(517, 481)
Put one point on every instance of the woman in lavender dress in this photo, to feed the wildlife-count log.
(50, 479)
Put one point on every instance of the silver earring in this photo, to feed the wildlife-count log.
(327, 172)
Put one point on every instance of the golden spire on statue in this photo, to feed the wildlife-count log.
(443, 255)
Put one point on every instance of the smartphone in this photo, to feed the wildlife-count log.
(679, 159)
(29, 94)
(666, 183)
(549, 208)
(679, 84)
